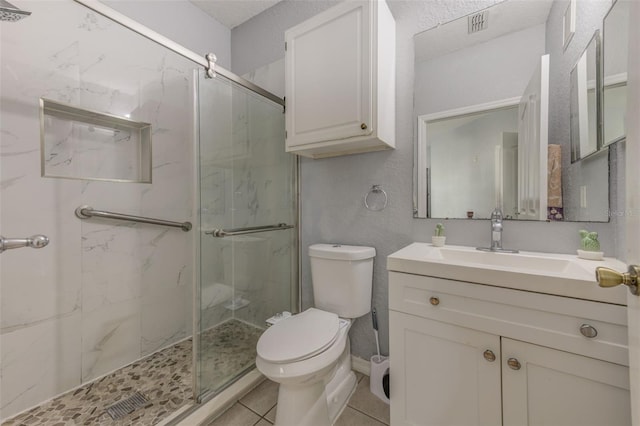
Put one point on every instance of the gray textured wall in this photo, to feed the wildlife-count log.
(589, 16)
(333, 189)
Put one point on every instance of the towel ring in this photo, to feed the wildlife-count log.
(373, 199)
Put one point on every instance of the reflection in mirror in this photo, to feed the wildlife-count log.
(585, 96)
(615, 43)
(459, 70)
(476, 173)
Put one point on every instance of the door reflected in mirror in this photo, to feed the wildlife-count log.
(615, 51)
(585, 93)
(476, 174)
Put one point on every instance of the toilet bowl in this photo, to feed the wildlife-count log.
(308, 354)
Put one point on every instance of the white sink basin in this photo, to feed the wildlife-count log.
(560, 274)
(528, 261)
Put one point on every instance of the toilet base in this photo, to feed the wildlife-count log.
(320, 403)
(341, 386)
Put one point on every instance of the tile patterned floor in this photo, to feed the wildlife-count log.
(164, 378)
(258, 408)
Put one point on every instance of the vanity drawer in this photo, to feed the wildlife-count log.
(554, 321)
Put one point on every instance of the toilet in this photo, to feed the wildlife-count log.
(308, 354)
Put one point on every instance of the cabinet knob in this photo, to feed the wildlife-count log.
(434, 301)
(489, 355)
(514, 364)
(363, 126)
(588, 331)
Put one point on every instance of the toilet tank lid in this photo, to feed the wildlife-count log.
(341, 252)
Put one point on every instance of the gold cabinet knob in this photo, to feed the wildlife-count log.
(434, 301)
(514, 364)
(363, 126)
(607, 277)
(489, 355)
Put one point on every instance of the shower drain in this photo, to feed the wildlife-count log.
(126, 406)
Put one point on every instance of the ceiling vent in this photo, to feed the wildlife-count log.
(478, 21)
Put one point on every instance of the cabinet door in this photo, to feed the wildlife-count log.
(553, 387)
(329, 75)
(440, 374)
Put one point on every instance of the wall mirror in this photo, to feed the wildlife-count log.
(585, 92)
(490, 61)
(615, 44)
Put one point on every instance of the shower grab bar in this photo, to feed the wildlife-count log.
(221, 233)
(85, 212)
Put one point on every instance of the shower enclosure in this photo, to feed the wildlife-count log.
(247, 250)
(143, 132)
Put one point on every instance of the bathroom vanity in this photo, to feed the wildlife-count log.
(482, 338)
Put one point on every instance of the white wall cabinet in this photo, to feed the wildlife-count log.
(340, 81)
(473, 354)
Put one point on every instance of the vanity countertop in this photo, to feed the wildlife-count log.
(549, 273)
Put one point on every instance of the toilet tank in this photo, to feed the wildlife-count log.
(342, 277)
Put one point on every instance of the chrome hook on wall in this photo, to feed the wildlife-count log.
(376, 199)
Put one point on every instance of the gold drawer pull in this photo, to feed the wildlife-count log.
(489, 355)
(514, 364)
(434, 301)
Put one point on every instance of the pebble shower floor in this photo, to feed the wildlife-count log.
(163, 378)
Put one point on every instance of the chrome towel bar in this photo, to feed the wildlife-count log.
(221, 233)
(85, 212)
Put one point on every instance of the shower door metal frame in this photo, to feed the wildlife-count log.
(148, 33)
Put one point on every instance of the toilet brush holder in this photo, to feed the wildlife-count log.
(378, 384)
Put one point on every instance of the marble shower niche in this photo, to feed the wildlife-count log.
(78, 143)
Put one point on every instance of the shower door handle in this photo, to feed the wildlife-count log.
(221, 233)
(35, 241)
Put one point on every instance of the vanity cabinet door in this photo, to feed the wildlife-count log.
(544, 386)
(442, 374)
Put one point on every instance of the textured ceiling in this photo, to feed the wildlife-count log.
(232, 13)
(504, 18)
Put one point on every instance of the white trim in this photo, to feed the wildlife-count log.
(471, 109)
(568, 33)
(614, 79)
(360, 365)
(422, 160)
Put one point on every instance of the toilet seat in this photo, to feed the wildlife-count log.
(299, 337)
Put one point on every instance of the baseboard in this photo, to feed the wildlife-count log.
(361, 365)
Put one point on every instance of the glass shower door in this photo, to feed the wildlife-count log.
(245, 180)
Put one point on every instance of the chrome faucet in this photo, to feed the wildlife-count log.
(496, 234)
(496, 230)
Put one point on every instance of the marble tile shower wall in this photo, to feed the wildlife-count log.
(101, 294)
